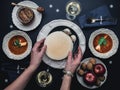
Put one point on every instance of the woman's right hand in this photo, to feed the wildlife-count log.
(73, 62)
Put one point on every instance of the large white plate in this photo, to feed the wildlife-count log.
(6, 48)
(80, 78)
(49, 27)
(114, 39)
(31, 26)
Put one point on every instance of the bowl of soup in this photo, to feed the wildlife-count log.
(103, 43)
(17, 45)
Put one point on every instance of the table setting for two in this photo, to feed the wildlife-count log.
(63, 35)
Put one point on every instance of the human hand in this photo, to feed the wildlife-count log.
(73, 62)
(37, 53)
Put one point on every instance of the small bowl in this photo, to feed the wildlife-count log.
(12, 49)
(110, 46)
(25, 15)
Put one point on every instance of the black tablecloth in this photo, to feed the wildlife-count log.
(8, 68)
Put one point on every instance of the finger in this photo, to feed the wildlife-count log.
(69, 57)
(43, 50)
(41, 42)
(75, 56)
(78, 56)
(79, 52)
(38, 44)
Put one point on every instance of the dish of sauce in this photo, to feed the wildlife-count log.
(18, 45)
(102, 43)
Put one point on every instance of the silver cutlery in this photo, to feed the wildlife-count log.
(94, 20)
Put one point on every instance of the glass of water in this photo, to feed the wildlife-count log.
(73, 8)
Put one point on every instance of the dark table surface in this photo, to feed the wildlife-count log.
(8, 67)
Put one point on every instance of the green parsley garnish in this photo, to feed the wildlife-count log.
(102, 41)
(17, 43)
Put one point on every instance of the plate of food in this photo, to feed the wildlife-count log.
(17, 45)
(92, 73)
(61, 36)
(25, 18)
(103, 43)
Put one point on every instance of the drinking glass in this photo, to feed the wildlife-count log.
(73, 8)
(44, 78)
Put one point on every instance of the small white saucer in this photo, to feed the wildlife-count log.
(32, 25)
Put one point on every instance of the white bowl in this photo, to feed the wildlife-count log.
(7, 50)
(115, 42)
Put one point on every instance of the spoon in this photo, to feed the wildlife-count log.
(39, 9)
(93, 20)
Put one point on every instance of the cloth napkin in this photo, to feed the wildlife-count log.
(97, 13)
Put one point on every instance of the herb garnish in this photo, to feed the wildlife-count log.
(102, 41)
(17, 43)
